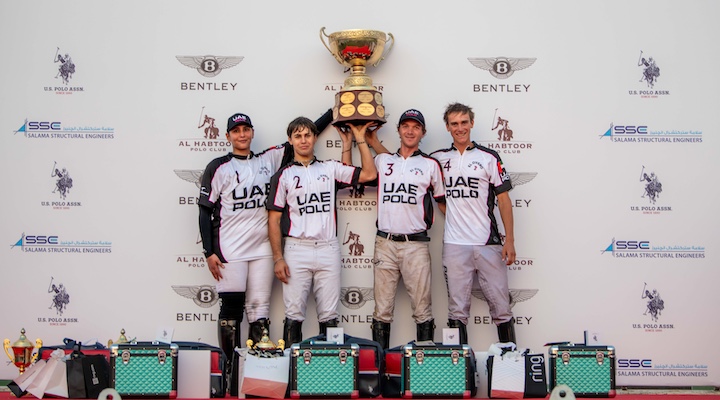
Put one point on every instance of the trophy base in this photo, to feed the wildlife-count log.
(358, 107)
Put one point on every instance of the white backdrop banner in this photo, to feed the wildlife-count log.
(603, 113)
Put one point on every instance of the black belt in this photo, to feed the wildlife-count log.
(414, 237)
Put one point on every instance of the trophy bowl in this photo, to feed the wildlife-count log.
(358, 101)
(357, 47)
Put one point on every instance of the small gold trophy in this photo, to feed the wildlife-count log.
(22, 355)
(358, 101)
(265, 346)
(121, 339)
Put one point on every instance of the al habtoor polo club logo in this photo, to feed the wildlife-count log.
(353, 251)
(352, 240)
(501, 68)
(506, 141)
(207, 136)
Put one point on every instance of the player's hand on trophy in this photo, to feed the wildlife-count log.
(360, 131)
(345, 134)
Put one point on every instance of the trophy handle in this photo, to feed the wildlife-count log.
(322, 32)
(387, 49)
(38, 346)
(6, 345)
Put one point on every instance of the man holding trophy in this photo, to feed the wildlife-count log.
(408, 180)
(302, 211)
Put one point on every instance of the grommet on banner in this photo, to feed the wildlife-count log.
(562, 392)
(109, 394)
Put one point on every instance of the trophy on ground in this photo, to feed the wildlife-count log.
(358, 101)
(265, 347)
(22, 351)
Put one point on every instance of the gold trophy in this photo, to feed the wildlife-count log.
(121, 339)
(358, 102)
(22, 355)
(265, 345)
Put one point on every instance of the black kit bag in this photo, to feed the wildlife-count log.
(87, 375)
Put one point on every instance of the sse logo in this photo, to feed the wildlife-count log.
(632, 245)
(625, 130)
(627, 245)
(634, 363)
(630, 129)
(33, 239)
(43, 126)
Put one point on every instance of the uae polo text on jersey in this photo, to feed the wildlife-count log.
(405, 190)
(306, 197)
(472, 180)
(236, 189)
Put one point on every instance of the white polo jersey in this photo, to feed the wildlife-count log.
(306, 197)
(472, 180)
(405, 189)
(236, 188)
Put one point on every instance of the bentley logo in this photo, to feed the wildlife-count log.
(204, 296)
(521, 178)
(502, 67)
(209, 66)
(190, 175)
(516, 295)
(355, 297)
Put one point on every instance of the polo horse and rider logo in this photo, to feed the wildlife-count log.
(60, 297)
(653, 187)
(356, 248)
(208, 122)
(651, 71)
(655, 303)
(64, 182)
(66, 68)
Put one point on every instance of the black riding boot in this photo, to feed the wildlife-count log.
(255, 332)
(506, 332)
(381, 333)
(426, 331)
(454, 323)
(333, 323)
(292, 332)
(229, 338)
